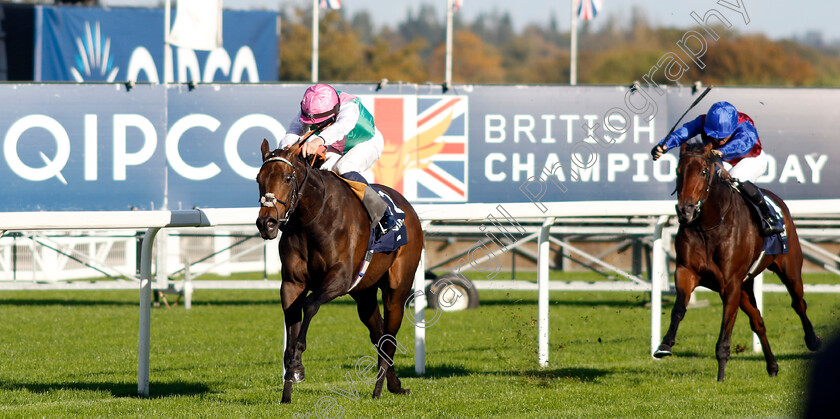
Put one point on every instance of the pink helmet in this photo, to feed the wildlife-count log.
(320, 102)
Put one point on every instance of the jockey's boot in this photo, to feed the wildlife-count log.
(373, 203)
(771, 222)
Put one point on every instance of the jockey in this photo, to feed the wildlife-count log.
(353, 144)
(735, 140)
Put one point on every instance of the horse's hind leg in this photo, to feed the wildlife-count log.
(393, 301)
(686, 280)
(789, 269)
(748, 305)
(368, 309)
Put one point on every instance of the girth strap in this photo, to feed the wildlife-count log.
(361, 274)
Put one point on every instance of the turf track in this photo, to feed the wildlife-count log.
(74, 354)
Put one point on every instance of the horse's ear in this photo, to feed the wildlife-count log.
(264, 149)
(294, 148)
(707, 148)
(683, 147)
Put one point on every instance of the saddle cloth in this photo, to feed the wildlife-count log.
(391, 240)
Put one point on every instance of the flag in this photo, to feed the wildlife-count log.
(198, 25)
(330, 4)
(588, 9)
(456, 4)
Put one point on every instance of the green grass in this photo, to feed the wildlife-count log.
(75, 354)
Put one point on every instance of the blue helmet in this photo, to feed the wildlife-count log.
(721, 120)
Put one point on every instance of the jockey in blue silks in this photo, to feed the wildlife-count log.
(735, 140)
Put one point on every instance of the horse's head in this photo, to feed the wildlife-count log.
(279, 188)
(694, 180)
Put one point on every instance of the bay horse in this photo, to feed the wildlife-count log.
(717, 243)
(322, 248)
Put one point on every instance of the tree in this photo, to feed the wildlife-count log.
(295, 48)
(473, 61)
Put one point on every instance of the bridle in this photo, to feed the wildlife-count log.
(293, 198)
(269, 200)
(711, 162)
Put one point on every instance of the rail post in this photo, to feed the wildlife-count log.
(542, 284)
(145, 311)
(660, 272)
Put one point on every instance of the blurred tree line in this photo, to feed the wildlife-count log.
(488, 50)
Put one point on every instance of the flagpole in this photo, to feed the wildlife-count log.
(315, 18)
(573, 47)
(447, 82)
(166, 25)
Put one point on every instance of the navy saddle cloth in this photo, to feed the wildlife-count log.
(393, 239)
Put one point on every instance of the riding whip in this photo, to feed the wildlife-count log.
(696, 101)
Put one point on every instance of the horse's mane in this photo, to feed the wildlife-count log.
(694, 147)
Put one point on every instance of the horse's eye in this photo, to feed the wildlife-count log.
(705, 172)
(288, 178)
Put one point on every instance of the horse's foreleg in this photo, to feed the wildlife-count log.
(311, 304)
(730, 297)
(292, 295)
(686, 280)
(748, 305)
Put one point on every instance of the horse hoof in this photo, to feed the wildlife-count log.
(400, 391)
(662, 351)
(814, 344)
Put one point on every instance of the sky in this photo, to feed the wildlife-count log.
(775, 18)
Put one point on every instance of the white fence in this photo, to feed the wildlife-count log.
(153, 221)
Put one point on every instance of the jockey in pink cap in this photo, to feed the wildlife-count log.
(345, 127)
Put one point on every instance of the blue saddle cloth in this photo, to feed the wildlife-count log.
(775, 245)
(393, 239)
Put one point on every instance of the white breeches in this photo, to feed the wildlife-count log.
(748, 169)
(359, 159)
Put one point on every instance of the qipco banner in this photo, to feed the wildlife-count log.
(110, 147)
(84, 44)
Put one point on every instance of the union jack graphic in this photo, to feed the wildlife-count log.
(588, 9)
(456, 4)
(330, 4)
(425, 156)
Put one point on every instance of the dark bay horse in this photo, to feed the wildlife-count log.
(717, 244)
(325, 236)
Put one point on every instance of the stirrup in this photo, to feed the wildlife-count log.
(386, 224)
(771, 226)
